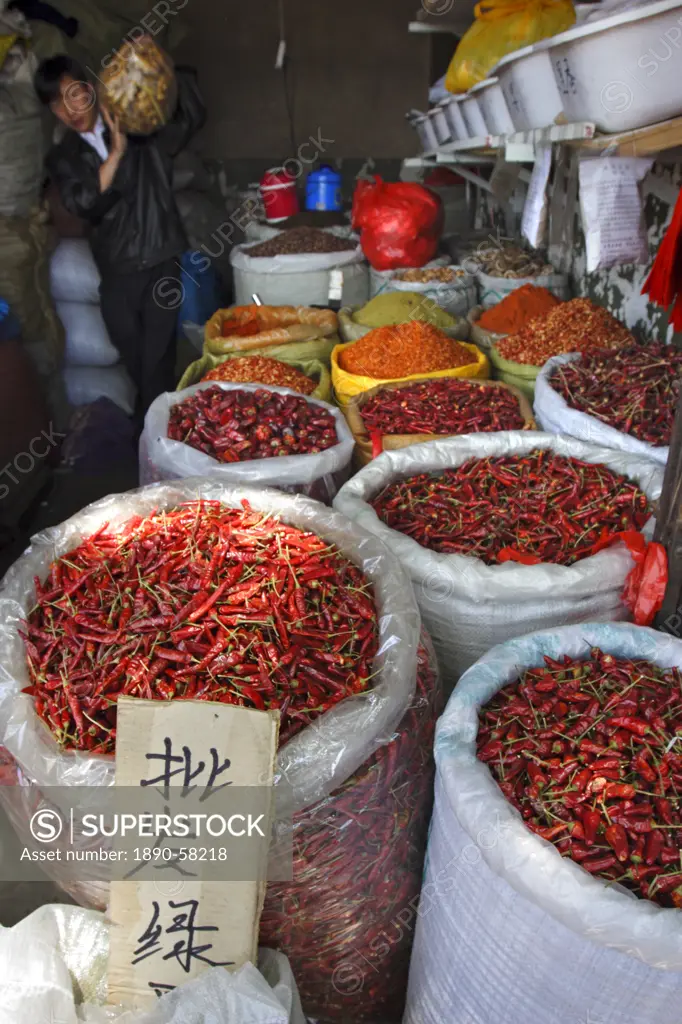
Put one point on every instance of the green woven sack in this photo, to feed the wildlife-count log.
(519, 375)
(312, 368)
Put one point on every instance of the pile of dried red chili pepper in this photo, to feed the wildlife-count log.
(347, 919)
(634, 390)
(444, 405)
(236, 426)
(540, 507)
(587, 752)
(203, 602)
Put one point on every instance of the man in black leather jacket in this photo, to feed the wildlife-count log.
(122, 186)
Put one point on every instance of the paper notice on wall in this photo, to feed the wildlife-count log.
(611, 210)
(535, 211)
(167, 932)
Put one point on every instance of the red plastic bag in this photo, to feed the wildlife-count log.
(646, 584)
(399, 223)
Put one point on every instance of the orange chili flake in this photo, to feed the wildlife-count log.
(573, 326)
(260, 370)
(403, 350)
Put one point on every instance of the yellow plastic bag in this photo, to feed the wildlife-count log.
(501, 27)
(347, 385)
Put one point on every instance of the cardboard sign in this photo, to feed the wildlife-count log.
(165, 933)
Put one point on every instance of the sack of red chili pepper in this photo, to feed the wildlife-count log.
(256, 632)
(247, 433)
(497, 894)
(500, 532)
(624, 400)
(345, 921)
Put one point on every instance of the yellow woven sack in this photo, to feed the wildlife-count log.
(347, 385)
(501, 27)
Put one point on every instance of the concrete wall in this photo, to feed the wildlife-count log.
(354, 70)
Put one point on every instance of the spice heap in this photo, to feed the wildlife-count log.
(413, 347)
(300, 240)
(540, 507)
(237, 426)
(586, 751)
(398, 307)
(202, 602)
(520, 306)
(573, 326)
(441, 275)
(634, 390)
(358, 859)
(442, 406)
(510, 261)
(260, 370)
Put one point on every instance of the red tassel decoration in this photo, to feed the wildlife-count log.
(664, 283)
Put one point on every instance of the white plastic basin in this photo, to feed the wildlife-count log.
(441, 125)
(426, 133)
(473, 117)
(494, 106)
(454, 115)
(530, 88)
(624, 71)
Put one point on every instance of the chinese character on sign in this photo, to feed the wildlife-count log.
(160, 989)
(184, 761)
(184, 925)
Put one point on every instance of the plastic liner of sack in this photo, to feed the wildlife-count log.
(468, 606)
(500, 903)
(298, 280)
(315, 762)
(318, 475)
(59, 954)
(345, 919)
(556, 417)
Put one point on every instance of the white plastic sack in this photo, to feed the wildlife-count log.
(61, 950)
(456, 297)
(85, 384)
(500, 903)
(74, 276)
(87, 338)
(298, 280)
(554, 415)
(315, 761)
(468, 606)
(164, 459)
(492, 290)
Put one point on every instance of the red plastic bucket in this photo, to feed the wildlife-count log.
(278, 192)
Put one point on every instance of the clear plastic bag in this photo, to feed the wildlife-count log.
(317, 475)
(495, 893)
(139, 86)
(345, 920)
(468, 606)
(315, 761)
(556, 417)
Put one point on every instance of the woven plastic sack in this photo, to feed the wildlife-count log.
(87, 338)
(456, 297)
(53, 967)
(556, 417)
(85, 384)
(400, 223)
(312, 368)
(519, 375)
(313, 763)
(492, 290)
(298, 280)
(346, 385)
(500, 903)
(293, 352)
(74, 276)
(468, 606)
(22, 142)
(358, 861)
(502, 26)
(139, 86)
(318, 475)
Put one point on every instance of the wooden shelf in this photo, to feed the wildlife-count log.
(647, 141)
